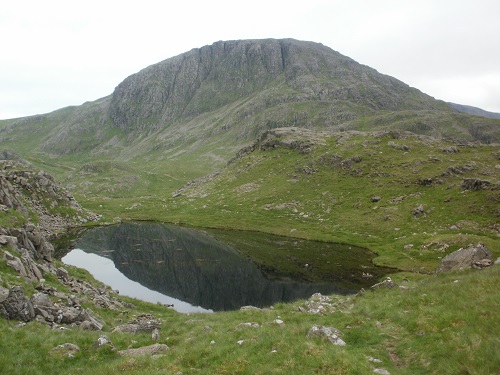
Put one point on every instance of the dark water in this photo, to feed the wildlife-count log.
(197, 271)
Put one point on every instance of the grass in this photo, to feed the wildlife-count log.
(445, 324)
(442, 324)
(325, 196)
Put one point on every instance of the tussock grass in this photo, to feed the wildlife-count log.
(444, 324)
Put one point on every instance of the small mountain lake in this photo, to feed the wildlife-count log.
(217, 270)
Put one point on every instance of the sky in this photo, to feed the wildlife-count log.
(59, 53)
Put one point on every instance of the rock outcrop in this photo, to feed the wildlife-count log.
(16, 305)
(29, 191)
(473, 256)
(26, 248)
(332, 334)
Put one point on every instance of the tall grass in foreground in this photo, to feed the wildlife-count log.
(446, 324)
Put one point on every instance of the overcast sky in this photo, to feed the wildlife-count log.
(59, 53)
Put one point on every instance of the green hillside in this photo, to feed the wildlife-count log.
(277, 136)
(385, 191)
(185, 117)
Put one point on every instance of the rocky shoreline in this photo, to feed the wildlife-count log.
(46, 209)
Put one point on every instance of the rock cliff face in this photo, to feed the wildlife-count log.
(208, 78)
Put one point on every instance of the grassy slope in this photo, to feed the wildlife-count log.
(413, 331)
(271, 191)
(439, 325)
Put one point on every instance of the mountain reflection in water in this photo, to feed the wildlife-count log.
(191, 266)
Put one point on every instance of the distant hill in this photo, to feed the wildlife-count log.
(475, 111)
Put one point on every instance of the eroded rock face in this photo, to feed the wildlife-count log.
(473, 256)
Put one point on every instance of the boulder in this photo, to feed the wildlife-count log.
(41, 300)
(69, 315)
(90, 322)
(473, 256)
(145, 323)
(62, 274)
(475, 184)
(9, 241)
(419, 210)
(4, 293)
(17, 306)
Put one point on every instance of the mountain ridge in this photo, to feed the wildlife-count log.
(475, 111)
(186, 116)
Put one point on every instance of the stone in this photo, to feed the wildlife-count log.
(472, 256)
(248, 324)
(66, 350)
(381, 371)
(18, 266)
(250, 308)
(17, 306)
(142, 324)
(154, 349)
(69, 315)
(4, 293)
(42, 300)
(8, 256)
(475, 184)
(318, 304)
(90, 323)
(376, 199)
(331, 333)
(387, 283)
(103, 341)
(155, 335)
(9, 241)
(30, 265)
(419, 210)
(62, 273)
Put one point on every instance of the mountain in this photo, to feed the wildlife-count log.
(188, 115)
(475, 111)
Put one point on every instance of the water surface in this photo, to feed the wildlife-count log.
(197, 271)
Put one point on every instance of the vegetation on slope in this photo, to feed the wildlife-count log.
(439, 325)
(405, 197)
(183, 117)
(412, 199)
